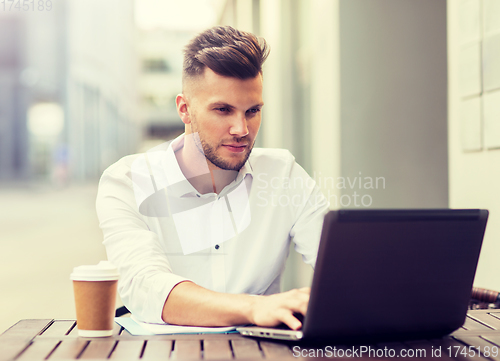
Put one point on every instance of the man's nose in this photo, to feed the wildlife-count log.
(239, 126)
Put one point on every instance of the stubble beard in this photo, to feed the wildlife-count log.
(211, 155)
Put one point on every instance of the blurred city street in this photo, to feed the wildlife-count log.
(44, 232)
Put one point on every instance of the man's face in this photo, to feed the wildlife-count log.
(226, 114)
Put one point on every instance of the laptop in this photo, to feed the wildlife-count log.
(387, 275)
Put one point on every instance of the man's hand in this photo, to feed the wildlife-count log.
(191, 305)
(279, 308)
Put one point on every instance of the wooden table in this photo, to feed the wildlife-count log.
(58, 340)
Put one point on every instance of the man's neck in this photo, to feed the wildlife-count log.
(204, 176)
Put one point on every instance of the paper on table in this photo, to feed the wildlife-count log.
(138, 328)
(132, 327)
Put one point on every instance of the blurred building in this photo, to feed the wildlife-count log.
(160, 53)
(68, 84)
(26, 76)
(101, 85)
(474, 120)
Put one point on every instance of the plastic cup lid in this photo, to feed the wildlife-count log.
(103, 271)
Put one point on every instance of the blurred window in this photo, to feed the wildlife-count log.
(10, 42)
(155, 66)
(45, 120)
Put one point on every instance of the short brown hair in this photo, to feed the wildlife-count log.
(227, 52)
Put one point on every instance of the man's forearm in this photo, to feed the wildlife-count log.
(192, 305)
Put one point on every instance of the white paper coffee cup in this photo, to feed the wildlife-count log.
(95, 294)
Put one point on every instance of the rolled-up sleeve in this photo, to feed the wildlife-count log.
(146, 277)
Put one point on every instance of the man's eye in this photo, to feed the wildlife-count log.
(222, 110)
(253, 110)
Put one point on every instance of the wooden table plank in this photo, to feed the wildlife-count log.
(246, 348)
(117, 329)
(128, 350)
(495, 339)
(26, 329)
(494, 313)
(98, 349)
(39, 350)
(11, 347)
(479, 343)
(217, 349)
(74, 331)
(471, 325)
(456, 350)
(487, 319)
(273, 350)
(186, 350)
(157, 350)
(58, 329)
(14, 340)
(69, 349)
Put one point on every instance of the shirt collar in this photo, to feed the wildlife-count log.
(244, 171)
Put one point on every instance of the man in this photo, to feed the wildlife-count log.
(200, 229)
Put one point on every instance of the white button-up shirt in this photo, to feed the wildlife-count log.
(159, 230)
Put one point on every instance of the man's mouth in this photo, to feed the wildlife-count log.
(235, 147)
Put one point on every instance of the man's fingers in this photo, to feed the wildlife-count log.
(292, 322)
(298, 306)
(299, 301)
(270, 310)
(300, 293)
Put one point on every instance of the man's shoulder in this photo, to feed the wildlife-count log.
(123, 165)
(140, 162)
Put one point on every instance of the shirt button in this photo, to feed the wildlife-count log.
(198, 195)
(216, 246)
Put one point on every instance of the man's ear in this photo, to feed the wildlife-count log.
(182, 108)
